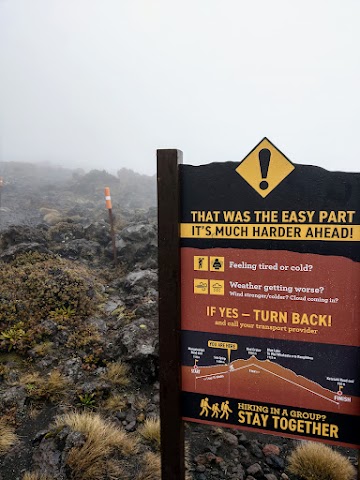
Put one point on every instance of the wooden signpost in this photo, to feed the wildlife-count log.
(111, 219)
(259, 270)
(172, 433)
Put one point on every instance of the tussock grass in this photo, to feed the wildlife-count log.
(102, 439)
(84, 336)
(50, 387)
(8, 438)
(151, 467)
(56, 383)
(117, 374)
(115, 470)
(315, 461)
(36, 476)
(150, 431)
(43, 349)
(142, 402)
(151, 463)
(115, 403)
(3, 370)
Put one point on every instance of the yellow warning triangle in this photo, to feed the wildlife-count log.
(265, 167)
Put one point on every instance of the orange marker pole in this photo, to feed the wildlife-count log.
(112, 231)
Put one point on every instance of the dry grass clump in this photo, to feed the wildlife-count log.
(51, 387)
(102, 439)
(115, 403)
(8, 438)
(315, 461)
(117, 373)
(150, 431)
(56, 383)
(151, 467)
(4, 370)
(115, 470)
(51, 216)
(36, 476)
(151, 470)
(84, 336)
(43, 349)
(142, 402)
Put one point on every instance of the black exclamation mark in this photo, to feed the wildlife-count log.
(264, 159)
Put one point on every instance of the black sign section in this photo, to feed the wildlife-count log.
(273, 418)
(218, 187)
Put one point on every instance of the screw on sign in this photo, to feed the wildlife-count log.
(111, 218)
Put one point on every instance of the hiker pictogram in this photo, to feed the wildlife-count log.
(201, 263)
(205, 407)
(225, 410)
(216, 410)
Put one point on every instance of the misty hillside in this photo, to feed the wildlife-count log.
(30, 188)
(128, 189)
(33, 175)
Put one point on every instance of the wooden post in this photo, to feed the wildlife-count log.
(112, 233)
(172, 429)
(111, 219)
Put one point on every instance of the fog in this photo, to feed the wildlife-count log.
(104, 83)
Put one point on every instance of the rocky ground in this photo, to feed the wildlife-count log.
(79, 381)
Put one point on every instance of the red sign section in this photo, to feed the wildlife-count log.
(270, 294)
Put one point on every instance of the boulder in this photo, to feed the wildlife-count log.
(13, 396)
(139, 288)
(139, 347)
(98, 232)
(65, 231)
(255, 470)
(47, 459)
(137, 245)
(79, 249)
(22, 234)
(11, 252)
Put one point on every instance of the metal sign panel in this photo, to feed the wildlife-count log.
(269, 297)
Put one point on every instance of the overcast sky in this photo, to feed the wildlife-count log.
(104, 83)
